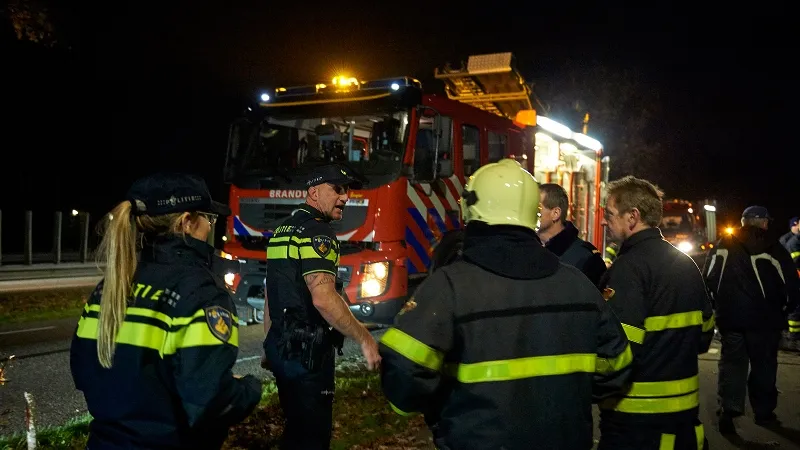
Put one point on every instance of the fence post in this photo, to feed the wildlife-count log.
(28, 256)
(84, 237)
(57, 237)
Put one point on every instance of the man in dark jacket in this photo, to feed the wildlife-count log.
(560, 236)
(754, 285)
(658, 293)
(505, 347)
(793, 231)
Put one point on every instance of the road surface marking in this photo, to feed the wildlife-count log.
(27, 330)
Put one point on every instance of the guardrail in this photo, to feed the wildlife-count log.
(77, 232)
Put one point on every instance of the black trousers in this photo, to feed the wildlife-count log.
(668, 436)
(758, 351)
(306, 399)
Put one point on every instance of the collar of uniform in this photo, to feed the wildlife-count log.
(177, 250)
(313, 212)
(559, 243)
(644, 235)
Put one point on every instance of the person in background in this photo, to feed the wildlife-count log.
(755, 286)
(794, 230)
(560, 236)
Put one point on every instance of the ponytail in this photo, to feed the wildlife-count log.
(118, 250)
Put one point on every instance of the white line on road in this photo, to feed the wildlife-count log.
(249, 358)
(27, 330)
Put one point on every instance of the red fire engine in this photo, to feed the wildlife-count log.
(416, 150)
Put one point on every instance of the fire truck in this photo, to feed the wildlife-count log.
(415, 150)
(688, 226)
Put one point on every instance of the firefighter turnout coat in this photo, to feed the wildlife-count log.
(659, 294)
(505, 348)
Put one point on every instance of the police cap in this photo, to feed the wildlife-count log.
(335, 174)
(168, 193)
(756, 212)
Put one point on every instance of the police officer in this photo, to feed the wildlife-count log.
(560, 236)
(308, 316)
(505, 347)
(157, 339)
(659, 295)
(755, 285)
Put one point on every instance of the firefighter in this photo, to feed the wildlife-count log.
(659, 295)
(611, 254)
(307, 317)
(754, 285)
(155, 345)
(793, 334)
(505, 347)
(560, 236)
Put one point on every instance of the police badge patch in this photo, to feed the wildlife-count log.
(220, 322)
(322, 245)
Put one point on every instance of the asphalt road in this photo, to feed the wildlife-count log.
(41, 366)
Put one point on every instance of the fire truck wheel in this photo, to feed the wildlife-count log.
(448, 250)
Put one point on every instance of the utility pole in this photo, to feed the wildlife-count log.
(586, 124)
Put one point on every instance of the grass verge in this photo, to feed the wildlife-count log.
(22, 307)
(362, 420)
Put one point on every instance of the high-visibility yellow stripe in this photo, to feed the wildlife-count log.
(169, 321)
(398, 410)
(663, 388)
(708, 325)
(297, 248)
(795, 254)
(667, 442)
(607, 366)
(130, 333)
(678, 320)
(413, 349)
(652, 405)
(700, 434)
(178, 333)
(634, 334)
(794, 323)
(152, 337)
(534, 366)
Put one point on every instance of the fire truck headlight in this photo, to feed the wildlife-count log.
(375, 279)
(685, 246)
(229, 279)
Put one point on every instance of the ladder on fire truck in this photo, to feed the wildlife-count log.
(490, 82)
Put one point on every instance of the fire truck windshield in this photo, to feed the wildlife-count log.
(676, 222)
(277, 146)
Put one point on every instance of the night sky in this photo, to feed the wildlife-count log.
(152, 86)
